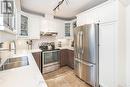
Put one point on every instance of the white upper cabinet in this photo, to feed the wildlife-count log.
(34, 27)
(22, 22)
(28, 26)
(103, 13)
(7, 17)
(7, 20)
(125, 2)
(18, 5)
(59, 27)
(69, 26)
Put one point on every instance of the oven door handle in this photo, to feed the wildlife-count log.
(51, 51)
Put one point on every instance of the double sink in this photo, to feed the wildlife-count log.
(14, 63)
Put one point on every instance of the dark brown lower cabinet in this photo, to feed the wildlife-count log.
(67, 58)
(63, 57)
(37, 57)
(71, 58)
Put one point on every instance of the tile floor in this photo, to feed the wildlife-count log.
(63, 77)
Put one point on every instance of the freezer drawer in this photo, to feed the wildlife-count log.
(85, 71)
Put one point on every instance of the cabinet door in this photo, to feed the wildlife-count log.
(24, 26)
(34, 27)
(18, 5)
(105, 12)
(30, 25)
(37, 57)
(67, 29)
(63, 57)
(71, 58)
(107, 54)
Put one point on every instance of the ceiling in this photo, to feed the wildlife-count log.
(65, 11)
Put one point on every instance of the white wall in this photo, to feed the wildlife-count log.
(4, 36)
(121, 46)
(21, 44)
(128, 45)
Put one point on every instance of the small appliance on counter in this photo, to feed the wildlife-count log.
(49, 47)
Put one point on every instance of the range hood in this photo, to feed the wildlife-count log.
(48, 33)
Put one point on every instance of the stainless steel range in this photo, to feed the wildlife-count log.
(50, 57)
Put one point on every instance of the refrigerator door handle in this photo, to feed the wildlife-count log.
(82, 44)
(78, 45)
(90, 65)
(85, 63)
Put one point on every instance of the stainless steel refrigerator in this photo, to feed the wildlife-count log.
(86, 41)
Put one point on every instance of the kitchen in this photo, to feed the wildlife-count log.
(64, 43)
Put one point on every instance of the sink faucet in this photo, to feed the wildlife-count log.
(10, 48)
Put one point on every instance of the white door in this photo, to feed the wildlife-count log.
(107, 54)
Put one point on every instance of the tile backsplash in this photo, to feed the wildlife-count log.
(47, 39)
(64, 42)
(22, 43)
(44, 39)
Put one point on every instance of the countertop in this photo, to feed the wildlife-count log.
(69, 48)
(25, 76)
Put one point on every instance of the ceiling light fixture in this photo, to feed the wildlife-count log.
(59, 4)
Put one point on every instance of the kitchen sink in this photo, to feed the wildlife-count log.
(14, 63)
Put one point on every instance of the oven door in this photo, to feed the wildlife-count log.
(50, 57)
